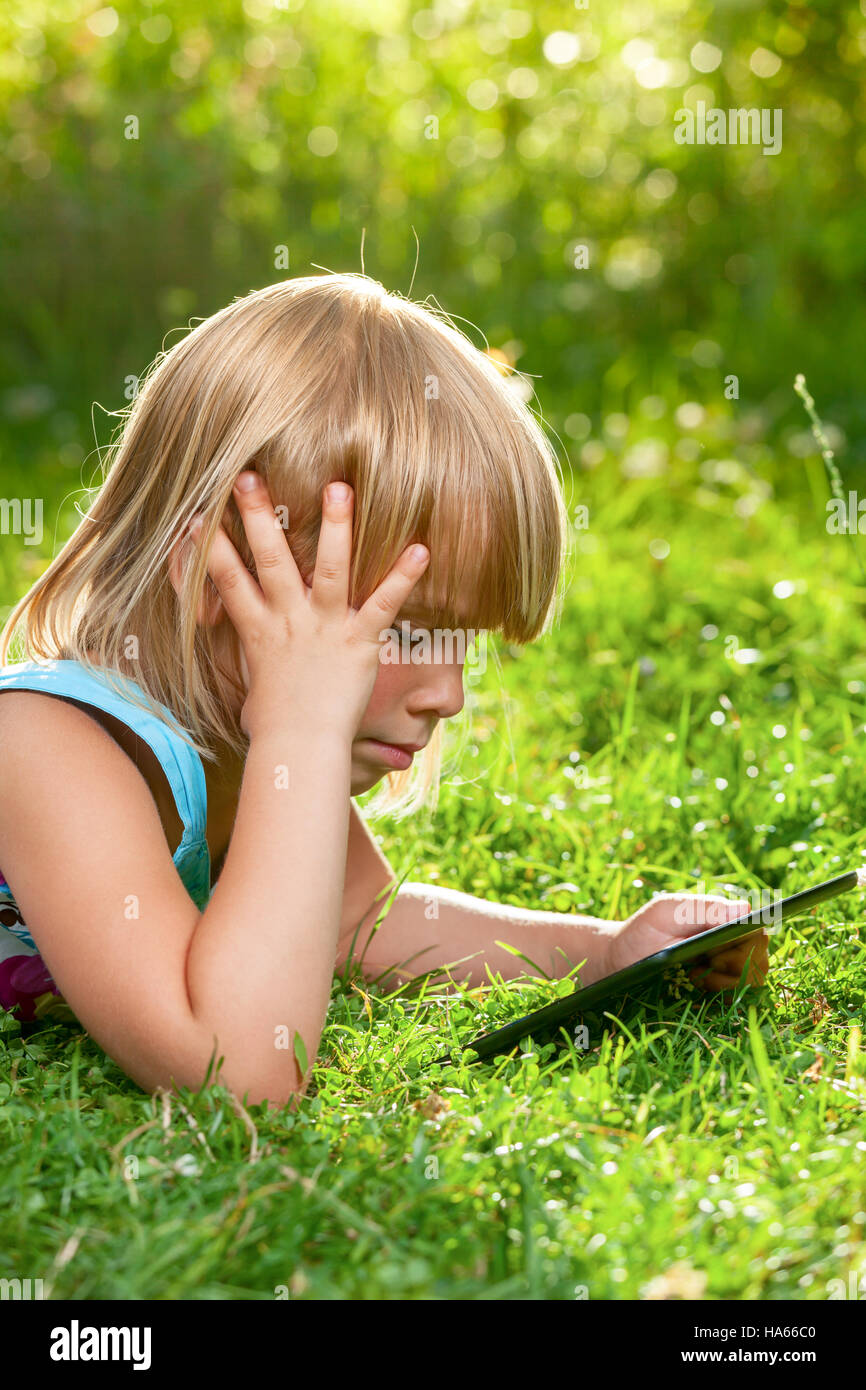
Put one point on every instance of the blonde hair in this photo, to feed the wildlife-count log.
(308, 380)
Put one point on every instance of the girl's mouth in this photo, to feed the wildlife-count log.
(390, 754)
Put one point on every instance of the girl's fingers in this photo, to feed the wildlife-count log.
(330, 587)
(713, 979)
(685, 914)
(733, 957)
(727, 963)
(385, 602)
(236, 587)
(275, 564)
(724, 969)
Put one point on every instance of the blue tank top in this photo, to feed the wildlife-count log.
(26, 987)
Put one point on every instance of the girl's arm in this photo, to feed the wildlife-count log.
(446, 925)
(368, 874)
(428, 926)
(157, 983)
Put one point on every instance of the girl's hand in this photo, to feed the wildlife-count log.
(673, 917)
(310, 658)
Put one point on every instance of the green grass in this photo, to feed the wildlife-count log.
(700, 1147)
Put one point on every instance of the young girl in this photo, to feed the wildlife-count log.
(183, 868)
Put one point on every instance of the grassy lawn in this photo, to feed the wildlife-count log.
(695, 721)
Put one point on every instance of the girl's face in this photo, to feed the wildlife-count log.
(419, 681)
(421, 684)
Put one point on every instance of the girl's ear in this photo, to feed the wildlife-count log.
(210, 610)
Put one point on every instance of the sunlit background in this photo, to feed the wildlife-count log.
(161, 159)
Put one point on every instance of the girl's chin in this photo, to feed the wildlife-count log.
(365, 777)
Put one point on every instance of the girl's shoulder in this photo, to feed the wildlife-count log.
(40, 695)
(61, 704)
(29, 714)
(27, 717)
(42, 739)
(26, 713)
(84, 859)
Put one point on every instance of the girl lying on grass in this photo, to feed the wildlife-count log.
(205, 691)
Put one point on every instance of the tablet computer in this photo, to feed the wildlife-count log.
(678, 953)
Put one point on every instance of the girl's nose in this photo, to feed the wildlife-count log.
(441, 691)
